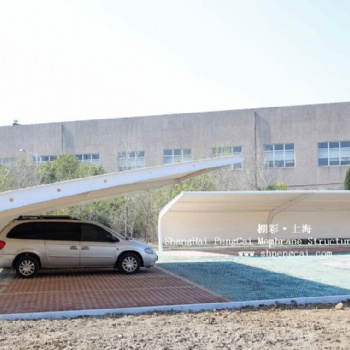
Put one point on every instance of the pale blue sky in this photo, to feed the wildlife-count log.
(90, 59)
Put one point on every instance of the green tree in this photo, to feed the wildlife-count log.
(18, 175)
(67, 167)
(347, 180)
(279, 186)
(5, 179)
(205, 182)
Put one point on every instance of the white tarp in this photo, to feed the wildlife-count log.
(194, 218)
(43, 198)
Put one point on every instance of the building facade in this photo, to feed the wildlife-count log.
(305, 147)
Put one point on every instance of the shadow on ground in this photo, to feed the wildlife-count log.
(243, 283)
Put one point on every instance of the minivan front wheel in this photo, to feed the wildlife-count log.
(129, 263)
(27, 266)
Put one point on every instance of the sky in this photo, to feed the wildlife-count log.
(63, 60)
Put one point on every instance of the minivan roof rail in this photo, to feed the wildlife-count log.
(46, 217)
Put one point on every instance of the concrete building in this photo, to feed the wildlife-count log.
(306, 147)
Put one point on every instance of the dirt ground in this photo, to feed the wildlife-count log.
(278, 327)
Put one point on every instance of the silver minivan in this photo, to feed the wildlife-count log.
(30, 243)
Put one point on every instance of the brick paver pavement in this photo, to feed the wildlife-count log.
(60, 290)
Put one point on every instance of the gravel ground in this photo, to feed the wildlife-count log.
(278, 327)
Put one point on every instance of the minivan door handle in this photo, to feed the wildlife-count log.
(73, 247)
(85, 247)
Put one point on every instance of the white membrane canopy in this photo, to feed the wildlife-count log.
(232, 217)
(38, 199)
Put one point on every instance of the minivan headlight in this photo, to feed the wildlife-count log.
(149, 250)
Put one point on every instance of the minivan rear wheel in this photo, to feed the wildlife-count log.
(129, 263)
(27, 266)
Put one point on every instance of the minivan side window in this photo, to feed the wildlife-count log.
(61, 231)
(93, 233)
(26, 230)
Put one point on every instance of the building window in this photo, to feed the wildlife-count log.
(228, 151)
(93, 158)
(171, 156)
(6, 161)
(334, 153)
(279, 155)
(43, 159)
(131, 160)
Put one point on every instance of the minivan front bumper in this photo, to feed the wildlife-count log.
(149, 259)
